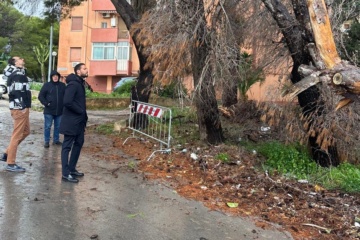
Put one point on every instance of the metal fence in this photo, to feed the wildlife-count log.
(151, 121)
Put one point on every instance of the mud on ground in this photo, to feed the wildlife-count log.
(306, 211)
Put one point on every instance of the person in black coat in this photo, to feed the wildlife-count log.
(51, 96)
(73, 123)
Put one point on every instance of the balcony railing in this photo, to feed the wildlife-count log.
(102, 67)
(109, 35)
(104, 35)
(110, 67)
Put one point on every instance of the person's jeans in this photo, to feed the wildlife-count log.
(47, 127)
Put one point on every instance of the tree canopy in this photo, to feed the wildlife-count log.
(19, 34)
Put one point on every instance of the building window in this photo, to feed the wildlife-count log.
(75, 54)
(104, 25)
(106, 51)
(103, 51)
(76, 23)
(123, 51)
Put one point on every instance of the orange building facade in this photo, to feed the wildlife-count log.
(96, 35)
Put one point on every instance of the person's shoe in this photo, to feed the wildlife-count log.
(46, 145)
(15, 168)
(70, 178)
(77, 174)
(57, 143)
(4, 157)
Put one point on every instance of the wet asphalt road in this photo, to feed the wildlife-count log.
(38, 205)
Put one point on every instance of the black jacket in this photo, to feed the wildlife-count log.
(52, 95)
(19, 90)
(74, 116)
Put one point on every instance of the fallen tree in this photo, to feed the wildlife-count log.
(332, 123)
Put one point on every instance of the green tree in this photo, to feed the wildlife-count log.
(30, 31)
(42, 54)
(22, 33)
(352, 43)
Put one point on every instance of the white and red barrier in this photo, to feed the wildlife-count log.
(149, 110)
(151, 121)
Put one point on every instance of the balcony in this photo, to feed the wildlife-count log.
(124, 67)
(110, 67)
(104, 35)
(102, 67)
(102, 5)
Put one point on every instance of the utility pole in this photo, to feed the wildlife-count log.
(50, 50)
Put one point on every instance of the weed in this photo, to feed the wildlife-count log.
(223, 157)
(105, 128)
(290, 160)
(132, 165)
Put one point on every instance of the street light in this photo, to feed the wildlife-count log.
(53, 63)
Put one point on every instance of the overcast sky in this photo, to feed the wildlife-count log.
(32, 7)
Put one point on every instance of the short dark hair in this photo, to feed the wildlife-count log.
(11, 61)
(78, 66)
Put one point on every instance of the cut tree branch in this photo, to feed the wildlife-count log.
(301, 86)
(324, 39)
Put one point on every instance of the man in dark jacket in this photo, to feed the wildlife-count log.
(73, 123)
(19, 104)
(51, 96)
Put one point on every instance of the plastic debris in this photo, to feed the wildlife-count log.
(264, 129)
(303, 181)
(193, 156)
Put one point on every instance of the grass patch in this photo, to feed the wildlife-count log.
(106, 129)
(290, 160)
(294, 161)
(345, 177)
(223, 157)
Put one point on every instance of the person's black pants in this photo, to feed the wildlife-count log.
(73, 144)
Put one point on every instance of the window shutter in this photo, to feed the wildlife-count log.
(75, 54)
(76, 23)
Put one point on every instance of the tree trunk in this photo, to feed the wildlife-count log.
(205, 100)
(298, 35)
(144, 84)
(229, 94)
(42, 68)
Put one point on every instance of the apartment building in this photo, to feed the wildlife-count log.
(96, 35)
